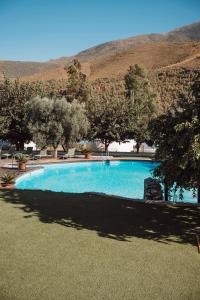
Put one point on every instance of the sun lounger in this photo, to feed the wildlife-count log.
(70, 153)
(6, 155)
(29, 150)
(42, 154)
(29, 153)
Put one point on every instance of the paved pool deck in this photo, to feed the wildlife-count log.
(6, 162)
(75, 159)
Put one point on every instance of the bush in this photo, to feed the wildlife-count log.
(8, 178)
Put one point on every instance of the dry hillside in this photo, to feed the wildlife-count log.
(15, 69)
(177, 48)
(151, 56)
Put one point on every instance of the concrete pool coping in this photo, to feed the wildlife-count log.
(75, 159)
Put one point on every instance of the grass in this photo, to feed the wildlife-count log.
(84, 246)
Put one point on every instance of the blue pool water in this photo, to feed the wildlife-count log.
(122, 178)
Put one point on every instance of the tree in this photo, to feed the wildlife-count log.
(77, 86)
(55, 121)
(14, 96)
(138, 90)
(4, 125)
(177, 136)
(109, 114)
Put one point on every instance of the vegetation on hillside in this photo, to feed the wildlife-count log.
(169, 85)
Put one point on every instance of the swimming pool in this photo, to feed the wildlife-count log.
(121, 178)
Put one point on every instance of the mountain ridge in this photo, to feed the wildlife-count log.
(116, 50)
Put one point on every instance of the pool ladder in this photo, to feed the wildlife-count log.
(106, 156)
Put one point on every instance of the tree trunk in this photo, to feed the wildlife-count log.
(64, 147)
(198, 195)
(106, 143)
(138, 147)
(166, 193)
(21, 146)
(55, 152)
(17, 146)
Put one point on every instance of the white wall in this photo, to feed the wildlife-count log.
(31, 144)
(122, 147)
(119, 147)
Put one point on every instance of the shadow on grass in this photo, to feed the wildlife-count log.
(110, 217)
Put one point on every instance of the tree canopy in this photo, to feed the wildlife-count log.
(77, 84)
(143, 108)
(14, 96)
(177, 136)
(109, 114)
(56, 121)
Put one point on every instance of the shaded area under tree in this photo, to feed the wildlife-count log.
(110, 217)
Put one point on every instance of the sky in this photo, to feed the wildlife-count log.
(39, 30)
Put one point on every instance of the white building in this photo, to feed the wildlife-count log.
(31, 144)
(128, 146)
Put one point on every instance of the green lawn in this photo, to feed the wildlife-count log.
(66, 246)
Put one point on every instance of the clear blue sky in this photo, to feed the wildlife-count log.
(39, 30)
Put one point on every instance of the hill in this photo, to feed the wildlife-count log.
(20, 68)
(184, 34)
(150, 55)
(177, 48)
(153, 56)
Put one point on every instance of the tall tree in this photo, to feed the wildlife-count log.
(177, 136)
(109, 114)
(139, 91)
(78, 85)
(56, 121)
(14, 96)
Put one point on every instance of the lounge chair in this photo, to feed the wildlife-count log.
(6, 155)
(70, 153)
(42, 154)
(29, 150)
